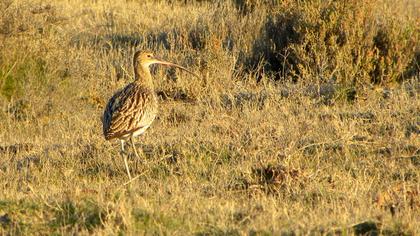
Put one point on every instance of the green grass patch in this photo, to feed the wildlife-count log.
(78, 215)
(155, 223)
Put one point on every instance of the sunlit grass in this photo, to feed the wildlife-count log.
(305, 120)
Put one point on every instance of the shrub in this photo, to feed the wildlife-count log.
(343, 41)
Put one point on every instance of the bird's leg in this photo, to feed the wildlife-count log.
(134, 147)
(125, 158)
(122, 146)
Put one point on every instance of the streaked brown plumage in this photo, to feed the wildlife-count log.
(132, 109)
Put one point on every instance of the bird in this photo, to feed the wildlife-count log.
(132, 109)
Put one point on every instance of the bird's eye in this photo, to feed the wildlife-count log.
(149, 56)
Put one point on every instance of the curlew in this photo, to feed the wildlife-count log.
(131, 110)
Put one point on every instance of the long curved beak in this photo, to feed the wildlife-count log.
(158, 61)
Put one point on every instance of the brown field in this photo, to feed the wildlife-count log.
(306, 118)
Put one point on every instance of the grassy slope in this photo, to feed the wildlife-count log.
(225, 156)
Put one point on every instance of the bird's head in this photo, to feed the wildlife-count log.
(145, 59)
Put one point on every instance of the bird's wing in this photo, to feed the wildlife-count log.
(124, 111)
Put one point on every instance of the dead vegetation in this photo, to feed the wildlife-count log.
(305, 120)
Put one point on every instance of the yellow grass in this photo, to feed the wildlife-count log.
(327, 140)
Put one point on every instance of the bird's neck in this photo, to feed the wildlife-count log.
(142, 75)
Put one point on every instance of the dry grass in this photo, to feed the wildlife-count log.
(327, 140)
